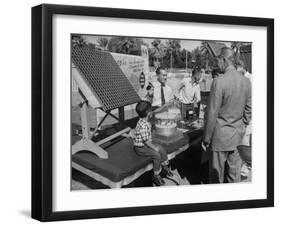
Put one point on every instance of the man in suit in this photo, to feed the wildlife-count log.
(229, 111)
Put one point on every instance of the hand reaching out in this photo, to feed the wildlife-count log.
(204, 145)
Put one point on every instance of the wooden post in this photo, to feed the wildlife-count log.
(121, 114)
(84, 122)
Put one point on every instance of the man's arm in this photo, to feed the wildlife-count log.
(179, 87)
(170, 94)
(197, 96)
(247, 114)
(212, 111)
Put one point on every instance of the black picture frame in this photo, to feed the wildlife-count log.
(42, 107)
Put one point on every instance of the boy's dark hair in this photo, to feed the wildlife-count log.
(142, 108)
(215, 72)
(196, 74)
(196, 71)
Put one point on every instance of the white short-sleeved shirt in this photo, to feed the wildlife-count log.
(189, 93)
(168, 93)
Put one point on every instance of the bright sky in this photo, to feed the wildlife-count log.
(185, 44)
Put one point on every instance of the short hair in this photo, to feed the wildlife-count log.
(196, 74)
(159, 69)
(240, 63)
(142, 108)
(228, 54)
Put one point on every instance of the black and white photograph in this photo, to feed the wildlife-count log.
(154, 112)
(142, 112)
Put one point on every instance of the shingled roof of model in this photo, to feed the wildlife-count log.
(104, 77)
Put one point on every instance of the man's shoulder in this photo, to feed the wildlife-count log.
(247, 81)
(220, 82)
(228, 75)
(230, 78)
(168, 87)
(186, 79)
(232, 74)
(218, 79)
(155, 83)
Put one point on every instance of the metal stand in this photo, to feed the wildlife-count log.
(120, 119)
(86, 143)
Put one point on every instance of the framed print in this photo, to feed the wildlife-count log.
(146, 112)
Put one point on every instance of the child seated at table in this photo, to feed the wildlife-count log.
(143, 144)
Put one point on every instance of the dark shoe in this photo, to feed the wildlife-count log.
(157, 180)
(166, 171)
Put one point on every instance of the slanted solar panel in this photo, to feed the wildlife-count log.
(104, 77)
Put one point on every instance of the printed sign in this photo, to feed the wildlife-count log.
(133, 67)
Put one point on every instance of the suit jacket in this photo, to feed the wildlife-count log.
(229, 110)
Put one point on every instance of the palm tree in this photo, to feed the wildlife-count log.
(204, 50)
(173, 50)
(186, 58)
(125, 45)
(102, 42)
(78, 40)
(157, 52)
(197, 58)
(236, 47)
(206, 55)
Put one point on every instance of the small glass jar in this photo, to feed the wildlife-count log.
(190, 114)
